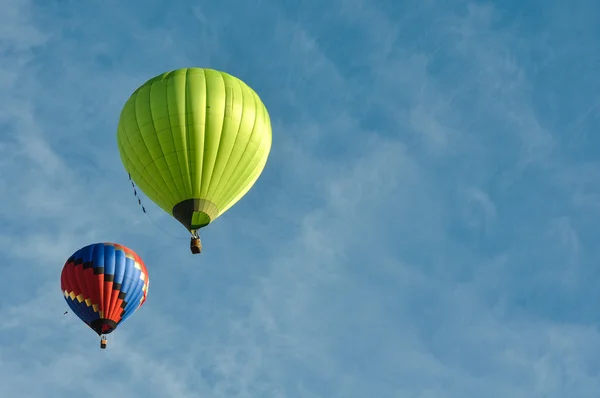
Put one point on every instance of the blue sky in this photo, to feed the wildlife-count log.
(426, 226)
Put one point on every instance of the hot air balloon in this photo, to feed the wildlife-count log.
(195, 141)
(104, 284)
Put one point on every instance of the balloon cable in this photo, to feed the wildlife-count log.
(148, 214)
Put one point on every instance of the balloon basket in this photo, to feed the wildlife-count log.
(195, 246)
(103, 342)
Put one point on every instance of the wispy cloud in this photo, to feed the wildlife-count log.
(425, 226)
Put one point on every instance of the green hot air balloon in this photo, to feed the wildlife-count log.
(195, 141)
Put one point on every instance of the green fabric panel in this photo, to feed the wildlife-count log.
(215, 92)
(172, 139)
(197, 101)
(246, 123)
(194, 133)
(136, 157)
(231, 123)
(200, 219)
(252, 162)
(150, 144)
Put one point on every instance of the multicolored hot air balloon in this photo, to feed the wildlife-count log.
(195, 141)
(104, 284)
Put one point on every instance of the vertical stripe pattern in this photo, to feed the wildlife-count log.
(104, 284)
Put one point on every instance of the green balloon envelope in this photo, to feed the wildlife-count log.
(195, 141)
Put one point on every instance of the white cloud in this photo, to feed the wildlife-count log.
(418, 230)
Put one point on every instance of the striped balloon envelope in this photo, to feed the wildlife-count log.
(104, 284)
